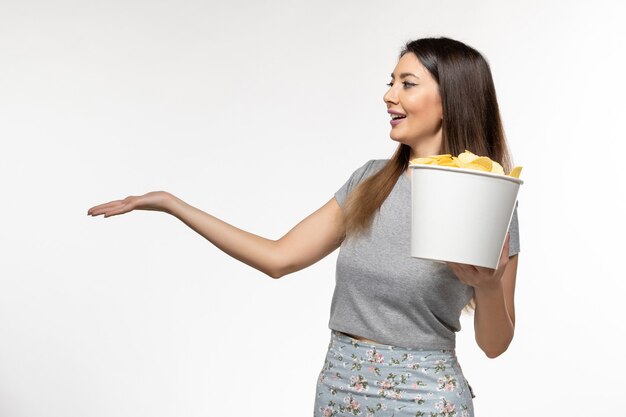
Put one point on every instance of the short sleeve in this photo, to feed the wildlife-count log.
(342, 194)
(514, 247)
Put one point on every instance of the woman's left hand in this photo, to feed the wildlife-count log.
(481, 277)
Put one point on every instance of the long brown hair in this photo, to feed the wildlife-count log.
(471, 120)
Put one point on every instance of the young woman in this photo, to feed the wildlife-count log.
(393, 317)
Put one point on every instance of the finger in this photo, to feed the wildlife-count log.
(121, 210)
(483, 270)
(457, 271)
(108, 208)
(469, 269)
(103, 206)
(111, 214)
(505, 248)
(129, 202)
(455, 266)
(465, 269)
(504, 256)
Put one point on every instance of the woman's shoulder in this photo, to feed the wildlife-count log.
(365, 170)
(379, 163)
(368, 168)
(374, 165)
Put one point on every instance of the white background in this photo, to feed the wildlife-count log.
(257, 112)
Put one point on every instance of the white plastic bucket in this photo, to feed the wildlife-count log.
(460, 215)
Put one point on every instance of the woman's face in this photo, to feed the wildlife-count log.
(413, 95)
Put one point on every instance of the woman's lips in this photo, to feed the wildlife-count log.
(395, 122)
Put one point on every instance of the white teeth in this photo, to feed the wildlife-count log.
(396, 116)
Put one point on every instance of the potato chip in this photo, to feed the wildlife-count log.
(496, 168)
(476, 167)
(467, 160)
(515, 172)
(484, 162)
(428, 161)
(448, 164)
(467, 157)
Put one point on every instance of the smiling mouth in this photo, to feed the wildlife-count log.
(397, 116)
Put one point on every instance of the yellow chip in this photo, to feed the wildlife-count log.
(449, 164)
(515, 172)
(496, 168)
(477, 167)
(422, 161)
(467, 157)
(484, 162)
(441, 159)
(467, 160)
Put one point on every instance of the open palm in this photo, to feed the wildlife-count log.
(155, 200)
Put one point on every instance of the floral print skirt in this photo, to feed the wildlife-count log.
(376, 380)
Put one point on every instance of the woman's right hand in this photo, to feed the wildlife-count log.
(155, 200)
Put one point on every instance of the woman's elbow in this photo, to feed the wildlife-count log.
(281, 265)
(274, 274)
(278, 270)
(275, 265)
(494, 352)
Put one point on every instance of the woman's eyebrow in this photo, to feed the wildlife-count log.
(405, 74)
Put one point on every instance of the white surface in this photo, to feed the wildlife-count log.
(460, 215)
(137, 315)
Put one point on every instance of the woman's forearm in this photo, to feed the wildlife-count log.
(253, 250)
(492, 324)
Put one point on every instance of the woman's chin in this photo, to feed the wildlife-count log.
(396, 138)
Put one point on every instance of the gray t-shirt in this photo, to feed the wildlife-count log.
(384, 294)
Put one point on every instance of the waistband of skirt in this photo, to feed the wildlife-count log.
(345, 338)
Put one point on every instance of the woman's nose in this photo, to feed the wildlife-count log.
(390, 96)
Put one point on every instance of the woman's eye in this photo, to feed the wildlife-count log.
(406, 84)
